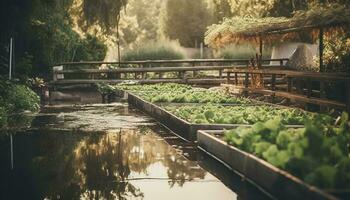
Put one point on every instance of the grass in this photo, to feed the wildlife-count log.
(241, 52)
(155, 50)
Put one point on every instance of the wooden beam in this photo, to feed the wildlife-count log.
(321, 34)
(260, 46)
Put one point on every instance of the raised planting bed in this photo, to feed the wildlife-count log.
(240, 114)
(279, 183)
(273, 155)
(179, 93)
(183, 128)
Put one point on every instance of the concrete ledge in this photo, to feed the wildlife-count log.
(279, 183)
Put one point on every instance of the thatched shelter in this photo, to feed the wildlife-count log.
(316, 22)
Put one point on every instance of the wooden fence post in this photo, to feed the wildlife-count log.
(236, 78)
(322, 94)
(246, 84)
(273, 86)
(289, 87)
(228, 77)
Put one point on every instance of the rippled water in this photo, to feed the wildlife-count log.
(109, 152)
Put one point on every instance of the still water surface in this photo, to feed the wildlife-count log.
(109, 152)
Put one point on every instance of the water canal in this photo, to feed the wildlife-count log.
(109, 151)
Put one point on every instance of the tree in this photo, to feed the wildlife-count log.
(185, 21)
(221, 9)
(43, 36)
(274, 8)
(140, 22)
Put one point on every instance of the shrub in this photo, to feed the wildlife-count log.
(337, 53)
(18, 98)
(155, 50)
(23, 98)
(241, 52)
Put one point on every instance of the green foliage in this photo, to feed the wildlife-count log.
(220, 9)
(102, 13)
(240, 114)
(16, 98)
(105, 89)
(337, 53)
(179, 93)
(155, 50)
(241, 52)
(43, 35)
(318, 153)
(90, 49)
(140, 22)
(22, 98)
(185, 21)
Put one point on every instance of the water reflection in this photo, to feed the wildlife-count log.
(83, 152)
(59, 165)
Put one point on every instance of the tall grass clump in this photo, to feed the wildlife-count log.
(241, 52)
(155, 50)
(16, 98)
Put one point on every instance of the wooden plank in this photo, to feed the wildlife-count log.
(290, 73)
(167, 61)
(203, 81)
(301, 98)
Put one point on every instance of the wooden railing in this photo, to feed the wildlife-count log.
(190, 62)
(328, 90)
(182, 71)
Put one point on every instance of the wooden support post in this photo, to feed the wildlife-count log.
(246, 80)
(309, 88)
(135, 75)
(289, 87)
(321, 34)
(194, 72)
(181, 74)
(322, 94)
(273, 82)
(273, 86)
(236, 78)
(220, 73)
(260, 46)
(298, 86)
(228, 77)
(144, 75)
(308, 92)
(246, 84)
(322, 89)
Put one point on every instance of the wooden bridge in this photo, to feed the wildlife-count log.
(199, 72)
(328, 90)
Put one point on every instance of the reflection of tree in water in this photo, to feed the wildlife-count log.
(179, 169)
(96, 165)
(104, 159)
(102, 170)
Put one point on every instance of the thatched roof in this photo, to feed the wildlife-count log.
(240, 29)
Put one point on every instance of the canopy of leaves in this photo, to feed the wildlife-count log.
(185, 21)
(104, 13)
(43, 35)
(244, 28)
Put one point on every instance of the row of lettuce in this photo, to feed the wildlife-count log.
(205, 106)
(16, 98)
(318, 153)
